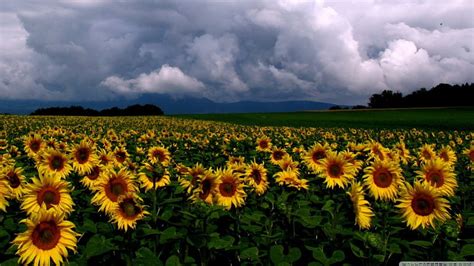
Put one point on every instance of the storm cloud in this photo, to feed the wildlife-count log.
(232, 50)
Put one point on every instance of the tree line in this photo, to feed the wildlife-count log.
(442, 95)
(132, 110)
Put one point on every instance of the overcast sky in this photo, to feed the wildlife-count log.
(330, 51)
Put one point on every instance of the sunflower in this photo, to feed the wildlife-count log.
(91, 179)
(15, 180)
(229, 189)
(120, 155)
(403, 152)
(376, 150)
(204, 190)
(237, 164)
(351, 158)
(426, 152)
(422, 205)
(150, 173)
(33, 144)
(54, 163)
(48, 237)
(84, 157)
(447, 154)
(276, 155)
(363, 212)
(336, 170)
(470, 153)
(159, 154)
(439, 175)
(128, 211)
(111, 186)
(47, 193)
(287, 163)
(106, 158)
(264, 144)
(188, 181)
(315, 155)
(3, 193)
(383, 178)
(256, 176)
(291, 178)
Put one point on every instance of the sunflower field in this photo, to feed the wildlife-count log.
(170, 191)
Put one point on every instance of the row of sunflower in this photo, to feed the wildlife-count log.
(116, 174)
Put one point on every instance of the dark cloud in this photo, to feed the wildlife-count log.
(226, 51)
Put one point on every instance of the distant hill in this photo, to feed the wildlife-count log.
(169, 105)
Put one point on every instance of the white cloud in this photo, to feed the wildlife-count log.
(167, 79)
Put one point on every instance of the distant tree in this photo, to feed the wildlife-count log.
(335, 107)
(356, 107)
(133, 110)
(440, 95)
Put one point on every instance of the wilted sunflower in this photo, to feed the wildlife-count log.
(383, 178)
(47, 193)
(84, 157)
(55, 164)
(159, 155)
(33, 144)
(363, 212)
(229, 189)
(204, 188)
(48, 237)
(336, 170)
(439, 175)
(150, 173)
(447, 154)
(422, 205)
(128, 211)
(264, 144)
(256, 176)
(314, 156)
(277, 155)
(15, 181)
(3, 194)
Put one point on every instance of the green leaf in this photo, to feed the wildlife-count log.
(358, 252)
(10, 224)
(395, 248)
(277, 255)
(146, 257)
(98, 245)
(221, 242)
(421, 243)
(467, 250)
(337, 256)
(89, 226)
(379, 258)
(173, 261)
(169, 234)
(10, 262)
(249, 253)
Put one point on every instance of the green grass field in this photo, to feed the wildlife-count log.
(434, 119)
